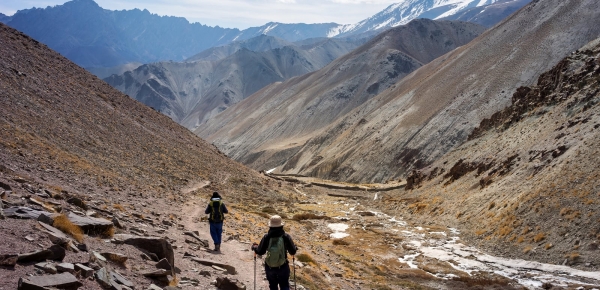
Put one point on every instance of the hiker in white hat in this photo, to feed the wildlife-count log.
(276, 244)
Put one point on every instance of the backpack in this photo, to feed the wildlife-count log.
(276, 253)
(216, 215)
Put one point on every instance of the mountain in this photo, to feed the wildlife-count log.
(407, 10)
(104, 72)
(4, 18)
(528, 176)
(489, 15)
(192, 92)
(264, 130)
(94, 37)
(419, 118)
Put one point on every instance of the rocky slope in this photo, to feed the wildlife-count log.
(434, 109)
(489, 15)
(526, 183)
(273, 124)
(195, 91)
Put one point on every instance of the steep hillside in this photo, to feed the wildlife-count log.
(528, 177)
(260, 43)
(265, 130)
(489, 15)
(434, 109)
(193, 92)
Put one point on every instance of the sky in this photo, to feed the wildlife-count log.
(235, 13)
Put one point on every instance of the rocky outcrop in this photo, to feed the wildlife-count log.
(60, 281)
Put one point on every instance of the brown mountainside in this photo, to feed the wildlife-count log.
(272, 125)
(434, 109)
(528, 179)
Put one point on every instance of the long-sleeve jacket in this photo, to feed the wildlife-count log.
(276, 233)
(216, 218)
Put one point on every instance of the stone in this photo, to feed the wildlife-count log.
(121, 280)
(55, 252)
(230, 269)
(9, 260)
(117, 223)
(55, 235)
(2, 211)
(157, 273)
(66, 267)
(164, 264)
(95, 256)
(154, 287)
(90, 225)
(77, 202)
(5, 186)
(22, 212)
(47, 218)
(84, 270)
(103, 278)
(158, 246)
(205, 273)
(46, 267)
(61, 281)
(82, 247)
(115, 257)
(204, 243)
(219, 268)
(226, 283)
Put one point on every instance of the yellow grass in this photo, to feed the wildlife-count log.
(62, 223)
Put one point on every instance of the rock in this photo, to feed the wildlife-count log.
(55, 252)
(46, 267)
(157, 273)
(22, 212)
(84, 270)
(115, 257)
(226, 283)
(5, 186)
(121, 280)
(205, 273)
(77, 202)
(167, 223)
(9, 260)
(230, 269)
(66, 267)
(299, 264)
(204, 243)
(95, 256)
(103, 278)
(55, 235)
(365, 213)
(154, 287)
(1, 210)
(90, 225)
(164, 264)
(47, 218)
(158, 246)
(82, 247)
(61, 281)
(117, 223)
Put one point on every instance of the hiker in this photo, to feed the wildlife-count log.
(217, 210)
(275, 244)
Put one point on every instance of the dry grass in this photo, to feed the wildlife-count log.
(108, 233)
(62, 223)
(119, 207)
(305, 258)
(340, 242)
(527, 249)
(573, 256)
(539, 237)
(548, 246)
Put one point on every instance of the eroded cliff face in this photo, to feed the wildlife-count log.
(528, 177)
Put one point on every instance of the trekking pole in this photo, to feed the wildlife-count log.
(254, 270)
(294, 262)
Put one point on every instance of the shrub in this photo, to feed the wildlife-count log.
(340, 242)
(539, 237)
(309, 216)
(62, 223)
(305, 258)
(548, 246)
(118, 207)
(527, 249)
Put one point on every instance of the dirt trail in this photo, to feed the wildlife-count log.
(233, 252)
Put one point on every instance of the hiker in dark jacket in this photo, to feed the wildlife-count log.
(276, 264)
(217, 210)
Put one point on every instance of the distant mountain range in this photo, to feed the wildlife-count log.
(95, 37)
(206, 84)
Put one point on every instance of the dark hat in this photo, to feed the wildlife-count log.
(216, 195)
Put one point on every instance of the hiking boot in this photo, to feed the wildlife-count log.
(217, 247)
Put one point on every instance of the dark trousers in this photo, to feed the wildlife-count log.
(216, 230)
(278, 277)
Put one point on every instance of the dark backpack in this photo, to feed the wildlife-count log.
(276, 252)
(216, 212)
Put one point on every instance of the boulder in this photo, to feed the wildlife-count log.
(55, 252)
(61, 281)
(158, 246)
(84, 270)
(22, 212)
(226, 283)
(90, 225)
(66, 267)
(46, 267)
(9, 260)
